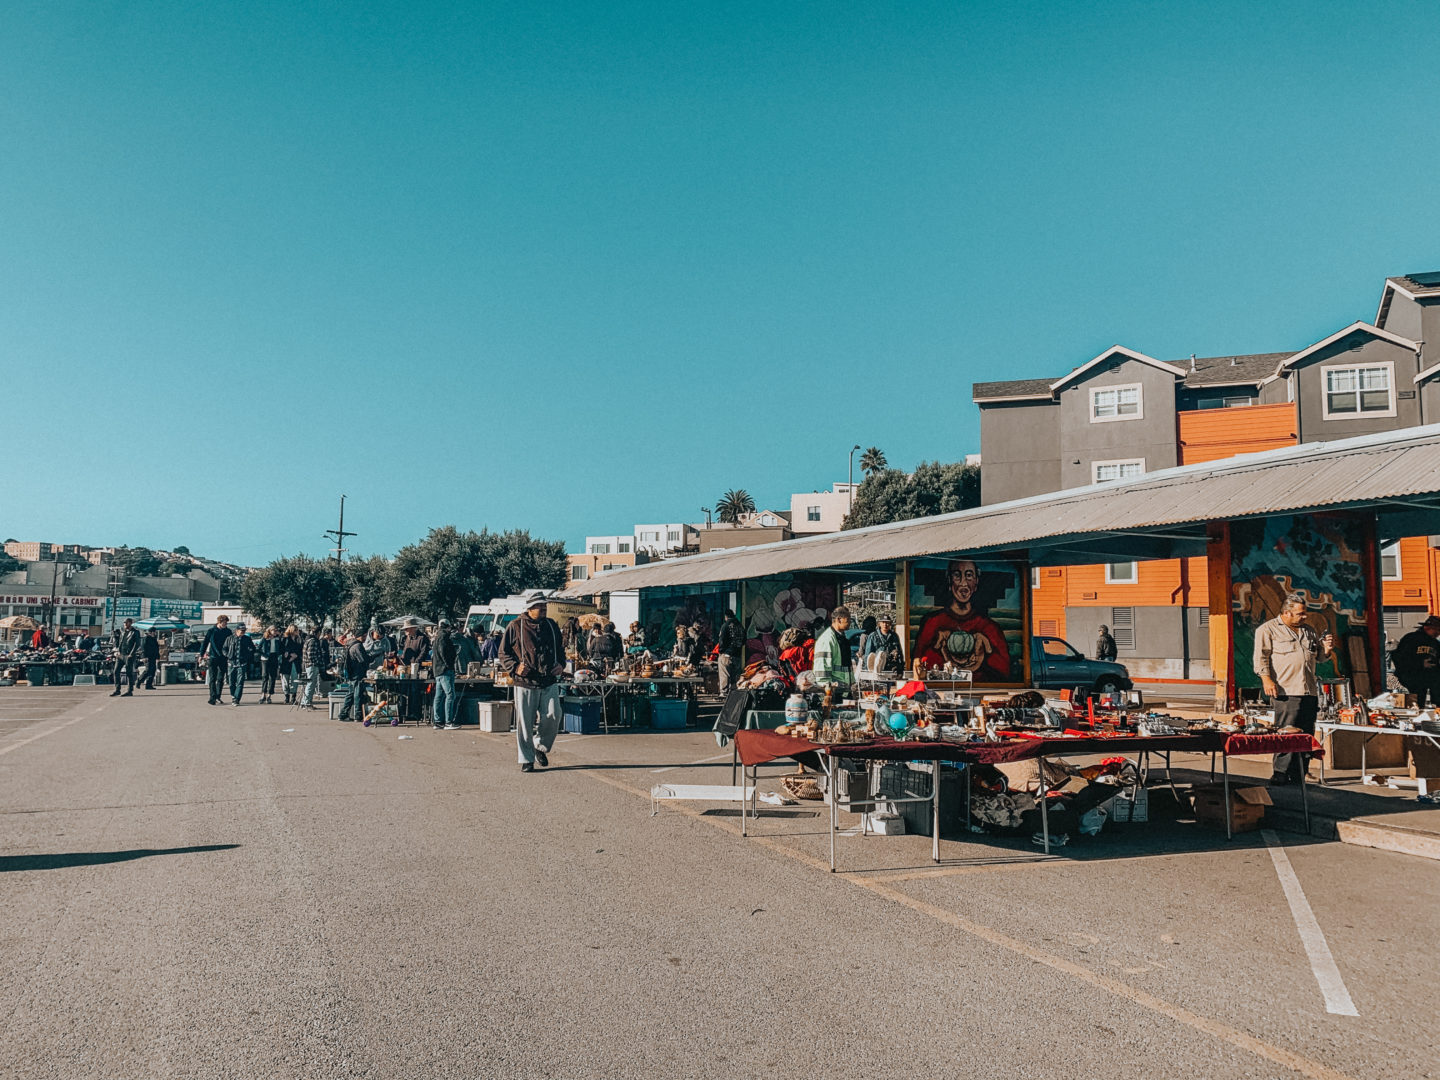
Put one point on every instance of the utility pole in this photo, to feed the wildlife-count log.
(340, 534)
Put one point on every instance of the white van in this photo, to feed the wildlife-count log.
(502, 611)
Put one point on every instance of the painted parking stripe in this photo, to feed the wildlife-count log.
(702, 761)
(1322, 963)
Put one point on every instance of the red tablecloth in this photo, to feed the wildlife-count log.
(757, 746)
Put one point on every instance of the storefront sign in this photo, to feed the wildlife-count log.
(124, 607)
(45, 600)
(188, 610)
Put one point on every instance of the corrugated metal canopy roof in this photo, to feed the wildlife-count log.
(1125, 519)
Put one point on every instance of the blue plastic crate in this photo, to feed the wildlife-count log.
(582, 716)
(668, 714)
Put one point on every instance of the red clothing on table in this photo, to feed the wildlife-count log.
(945, 622)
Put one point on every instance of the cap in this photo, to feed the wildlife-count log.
(1433, 620)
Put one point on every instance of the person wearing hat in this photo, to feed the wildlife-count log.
(532, 652)
(884, 645)
(1417, 662)
(1286, 652)
(356, 664)
(150, 653)
(127, 654)
(442, 666)
(239, 651)
(212, 651)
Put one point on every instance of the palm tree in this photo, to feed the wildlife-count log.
(734, 503)
(873, 461)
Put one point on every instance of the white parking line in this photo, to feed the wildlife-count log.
(1322, 963)
(41, 735)
(702, 761)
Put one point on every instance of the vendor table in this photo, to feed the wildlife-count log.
(407, 693)
(758, 746)
(1369, 731)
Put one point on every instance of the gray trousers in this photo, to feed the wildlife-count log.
(538, 714)
(312, 681)
(729, 668)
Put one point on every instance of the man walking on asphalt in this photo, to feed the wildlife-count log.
(1105, 645)
(315, 658)
(1417, 662)
(1286, 651)
(212, 651)
(442, 666)
(127, 652)
(731, 643)
(239, 650)
(533, 653)
(357, 665)
(150, 653)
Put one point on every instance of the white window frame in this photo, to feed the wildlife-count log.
(672, 536)
(1120, 463)
(1392, 549)
(1360, 414)
(622, 548)
(579, 573)
(1133, 579)
(812, 513)
(1138, 414)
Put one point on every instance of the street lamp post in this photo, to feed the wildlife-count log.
(706, 511)
(851, 479)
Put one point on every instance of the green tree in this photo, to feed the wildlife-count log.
(137, 561)
(297, 587)
(8, 563)
(873, 461)
(734, 503)
(933, 488)
(366, 585)
(445, 573)
(181, 550)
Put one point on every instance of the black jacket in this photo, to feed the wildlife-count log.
(239, 649)
(291, 650)
(357, 660)
(1105, 647)
(442, 653)
(1417, 660)
(732, 638)
(535, 645)
(150, 647)
(214, 643)
(127, 642)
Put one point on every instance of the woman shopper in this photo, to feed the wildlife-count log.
(271, 649)
(291, 648)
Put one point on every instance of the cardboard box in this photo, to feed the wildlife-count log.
(1342, 750)
(1424, 758)
(1247, 806)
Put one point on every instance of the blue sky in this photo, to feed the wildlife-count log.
(572, 267)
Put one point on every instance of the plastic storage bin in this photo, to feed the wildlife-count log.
(582, 716)
(495, 715)
(668, 714)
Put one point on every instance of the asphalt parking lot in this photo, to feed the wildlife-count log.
(193, 892)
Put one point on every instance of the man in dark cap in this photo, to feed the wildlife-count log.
(533, 653)
(127, 654)
(1417, 661)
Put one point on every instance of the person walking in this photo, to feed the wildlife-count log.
(314, 658)
(272, 647)
(732, 646)
(1105, 644)
(291, 650)
(239, 651)
(442, 666)
(1286, 651)
(127, 653)
(831, 664)
(533, 654)
(150, 653)
(356, 666)
(1417, 662)
(212, 651)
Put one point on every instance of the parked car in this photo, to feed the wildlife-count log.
(1057, 665)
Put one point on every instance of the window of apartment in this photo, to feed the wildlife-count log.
(1359, 390)
(1121, 573)
(1101, 471)
(812, 513)
(579, 573)
(622, 548)
(649, 535)
(1122, 626)
(599, 549)
(674, 534)
(1115, 403)
(1390, 568)
(1224, 402)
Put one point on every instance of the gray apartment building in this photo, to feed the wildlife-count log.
(1125, 413)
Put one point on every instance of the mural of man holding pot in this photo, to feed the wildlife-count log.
(962, 634)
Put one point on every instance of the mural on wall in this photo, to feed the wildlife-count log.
(1322, 557)
(662, 609)
(968, 613)
(772, 605)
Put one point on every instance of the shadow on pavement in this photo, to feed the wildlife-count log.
(11, 863)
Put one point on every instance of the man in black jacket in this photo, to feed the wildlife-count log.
(1417, 662)
(150, 653)
(239, 651)
(357, 665)
(731, 643)
(442, 666)
(127, 653)
(212, 651)
(533, 653)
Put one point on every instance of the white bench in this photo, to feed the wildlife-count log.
(704, 793)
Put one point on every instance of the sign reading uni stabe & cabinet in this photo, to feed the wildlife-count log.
(43, 599)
